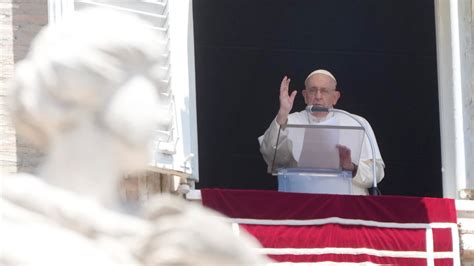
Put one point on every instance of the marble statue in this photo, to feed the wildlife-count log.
(88, 93)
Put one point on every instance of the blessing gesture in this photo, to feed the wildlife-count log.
(286, 101)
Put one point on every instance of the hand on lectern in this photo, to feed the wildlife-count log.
(286, 101)
(345, 159)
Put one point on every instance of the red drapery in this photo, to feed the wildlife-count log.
(316, 228)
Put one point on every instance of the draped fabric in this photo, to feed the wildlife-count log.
(321, 229)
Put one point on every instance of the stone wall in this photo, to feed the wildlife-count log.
(470, 107)
(8, 158)
(20, 21)
(465, 216)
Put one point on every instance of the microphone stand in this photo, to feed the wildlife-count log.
(374, 191)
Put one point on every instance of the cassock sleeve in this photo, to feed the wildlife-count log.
(364, 176)
(268, 146)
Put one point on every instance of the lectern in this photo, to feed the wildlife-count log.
(310, 162)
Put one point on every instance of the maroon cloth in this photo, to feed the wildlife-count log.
(289, 239)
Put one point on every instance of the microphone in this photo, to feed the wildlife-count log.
(315, 108)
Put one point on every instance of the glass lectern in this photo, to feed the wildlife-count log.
(309, 161)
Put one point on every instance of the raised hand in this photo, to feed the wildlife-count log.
(286, 101)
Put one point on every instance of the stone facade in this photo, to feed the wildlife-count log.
(20, 21)
(8, 158)
(465, 216)
(470, 107)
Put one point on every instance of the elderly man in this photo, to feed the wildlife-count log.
(320, 91)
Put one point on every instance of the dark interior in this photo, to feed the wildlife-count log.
(383, 54)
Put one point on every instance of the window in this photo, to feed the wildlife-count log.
(174, 149)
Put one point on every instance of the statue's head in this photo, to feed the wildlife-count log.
(100, 69)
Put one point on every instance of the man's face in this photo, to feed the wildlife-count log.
(321, 91)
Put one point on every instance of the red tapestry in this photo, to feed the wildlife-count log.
(317, 228)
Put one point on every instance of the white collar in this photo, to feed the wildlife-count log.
(314, 120)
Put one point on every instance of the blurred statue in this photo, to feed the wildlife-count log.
(88, 94)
